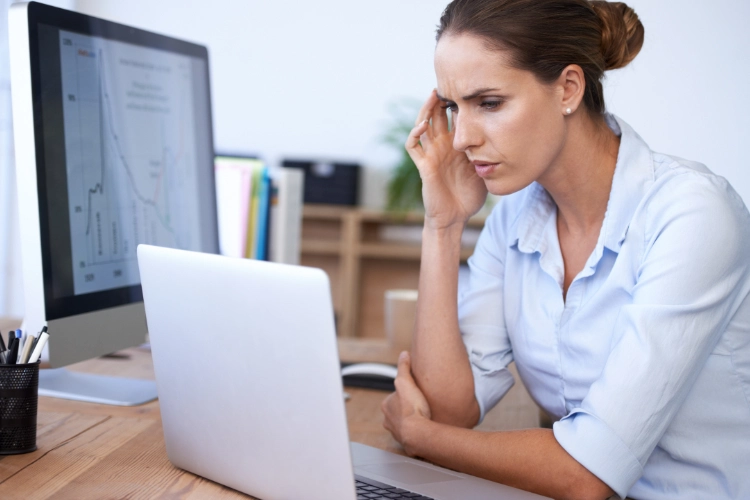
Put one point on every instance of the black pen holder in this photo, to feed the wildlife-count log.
(19, 398)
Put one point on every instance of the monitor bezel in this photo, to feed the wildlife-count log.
(67, 306)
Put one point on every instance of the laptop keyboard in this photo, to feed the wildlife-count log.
(368, 489)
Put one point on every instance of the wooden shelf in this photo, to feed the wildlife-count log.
(365, 252)
(314, 211)
(321, 247)
(336, 212)
(401, 251)
(391, 251)
(351, 245)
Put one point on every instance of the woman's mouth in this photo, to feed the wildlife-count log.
(484, 168)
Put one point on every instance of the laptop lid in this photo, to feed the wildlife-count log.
(247, 373)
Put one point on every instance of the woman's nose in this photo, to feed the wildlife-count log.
(465, 134)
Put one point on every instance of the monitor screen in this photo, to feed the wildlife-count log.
(126, 155)
(128, 121)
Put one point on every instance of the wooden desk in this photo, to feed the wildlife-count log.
(92, 451)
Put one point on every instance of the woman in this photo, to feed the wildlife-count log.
(617, 279)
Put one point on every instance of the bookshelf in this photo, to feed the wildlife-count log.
(366, 252)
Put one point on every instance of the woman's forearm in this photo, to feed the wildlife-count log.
(440, 363)
(529, 459)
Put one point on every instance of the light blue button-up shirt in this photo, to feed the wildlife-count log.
(647, 361)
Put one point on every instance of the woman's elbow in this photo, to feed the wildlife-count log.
(464, 415)
(587, 486)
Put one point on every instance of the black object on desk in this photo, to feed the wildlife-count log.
(368, 381)
(19, 386)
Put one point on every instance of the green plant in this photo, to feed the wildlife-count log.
(405, 184)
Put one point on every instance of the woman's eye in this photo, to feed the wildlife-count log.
(491, 104)
(451, 106)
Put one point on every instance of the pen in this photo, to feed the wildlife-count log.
(17, 340)
(25, 339)
(11, 359)
(21, 344)
(36, 340)
(33, 344)
(2, 343)
(39, 346)
(24, 356)
(11, 339)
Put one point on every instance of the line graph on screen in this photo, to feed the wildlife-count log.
(129, 171)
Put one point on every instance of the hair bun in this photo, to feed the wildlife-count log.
(622, 33)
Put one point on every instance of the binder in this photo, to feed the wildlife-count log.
(286, 215)
(233, 187)
(259, 209)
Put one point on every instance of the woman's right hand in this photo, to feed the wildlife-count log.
(451, 189)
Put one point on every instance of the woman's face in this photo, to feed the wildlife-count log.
(510, 125)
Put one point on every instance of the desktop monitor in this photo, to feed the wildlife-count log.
(114, 147)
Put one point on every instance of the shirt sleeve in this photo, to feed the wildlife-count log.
(692, 279)
(482, 320)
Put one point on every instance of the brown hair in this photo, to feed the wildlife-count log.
(545, 36)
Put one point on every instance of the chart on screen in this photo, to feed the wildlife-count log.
(129, 118)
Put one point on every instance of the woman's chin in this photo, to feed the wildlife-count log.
(500, 186)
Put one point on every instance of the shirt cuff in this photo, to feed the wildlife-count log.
(490, 387)
(596, 446)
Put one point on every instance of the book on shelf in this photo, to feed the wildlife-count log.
(253, 211)
(264, 209)
(259, 209)
(287, 188)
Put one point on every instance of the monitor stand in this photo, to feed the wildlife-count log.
(104, 389)
(81, 337)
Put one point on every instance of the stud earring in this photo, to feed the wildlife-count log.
(568, 111)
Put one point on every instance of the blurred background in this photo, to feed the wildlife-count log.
(298, 79)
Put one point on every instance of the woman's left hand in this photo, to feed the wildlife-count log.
(406, 407)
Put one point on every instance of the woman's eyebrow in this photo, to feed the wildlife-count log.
(478, 92)
(471, 96)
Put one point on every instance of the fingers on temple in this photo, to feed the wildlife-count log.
(416, 136)
(439, 120)
(426, 111)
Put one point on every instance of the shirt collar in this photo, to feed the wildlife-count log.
(534, 215)
(633, 175)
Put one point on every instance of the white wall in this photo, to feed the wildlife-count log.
(11, 283)
(299, 78)
(305, 78)
(10, 275)
(687, 91)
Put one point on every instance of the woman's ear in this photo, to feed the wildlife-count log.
(573, 84)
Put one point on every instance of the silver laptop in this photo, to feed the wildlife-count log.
(250, 388)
